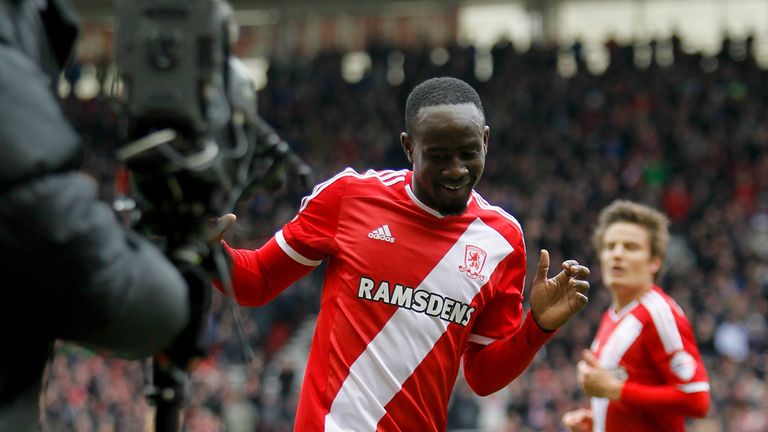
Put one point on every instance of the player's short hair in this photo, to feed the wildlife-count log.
(439, 91)
(654, 221)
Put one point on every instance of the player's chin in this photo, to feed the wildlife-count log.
(452, 208)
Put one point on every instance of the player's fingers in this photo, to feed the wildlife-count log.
(580, 286)
(543, 265)
(582, 298)
(589, 358)
(579, 289)
(575, 270)
(227, 219)
(570, 419)
(216, 231)
(581, 373)
(581, 369)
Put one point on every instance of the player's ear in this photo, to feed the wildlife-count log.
(655, 265)
(407, 144)
(486, 135)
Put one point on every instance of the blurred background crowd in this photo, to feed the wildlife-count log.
(689, 136)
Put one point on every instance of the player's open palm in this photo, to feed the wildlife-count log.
(554, 300)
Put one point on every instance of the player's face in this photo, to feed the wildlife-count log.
(628, 268)
(447, 148)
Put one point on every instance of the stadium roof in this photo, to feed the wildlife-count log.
(101, 9)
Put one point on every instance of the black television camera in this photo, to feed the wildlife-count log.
(195, 141)
(194, 144)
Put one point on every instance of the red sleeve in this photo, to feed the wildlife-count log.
(260, 275)
(670, 341)
(488, 368)
(312, 233)
(667, 397)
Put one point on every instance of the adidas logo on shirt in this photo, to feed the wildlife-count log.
(382, 233)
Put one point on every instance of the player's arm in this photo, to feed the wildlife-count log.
(553, 301)
(691, 401)
(687, 391)
(489, 368)
(500, 349)
(674, 352)
(687, 388)
(260, 275)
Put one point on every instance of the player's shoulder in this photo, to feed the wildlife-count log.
(371, 178)
(387, 178)
(660, 311)
(497, 217)
(658, 303)
(351, 178)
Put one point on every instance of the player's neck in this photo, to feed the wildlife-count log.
(625, 295)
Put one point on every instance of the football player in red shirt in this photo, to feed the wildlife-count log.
(643, 370)
(421, 273)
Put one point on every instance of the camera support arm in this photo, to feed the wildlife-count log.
(194, 145)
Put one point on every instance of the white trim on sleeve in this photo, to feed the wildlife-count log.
(694, 387)
(291, 252)
(482, 340)
(663, 320)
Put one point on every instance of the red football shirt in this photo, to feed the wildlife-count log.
(406, 291)
(650, 343)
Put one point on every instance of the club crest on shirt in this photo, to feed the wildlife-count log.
(474, 260)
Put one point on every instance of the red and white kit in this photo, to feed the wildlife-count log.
(650, 343)
(407, 292)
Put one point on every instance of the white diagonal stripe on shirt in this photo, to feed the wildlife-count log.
(619, 341)
(617, 344)
(406, 339)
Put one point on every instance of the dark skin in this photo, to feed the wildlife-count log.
(447, 150)
(447, 147)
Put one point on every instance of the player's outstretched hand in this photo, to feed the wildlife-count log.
(216, 231)
(555, 300)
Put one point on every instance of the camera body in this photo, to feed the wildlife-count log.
(172, 55)
(194, 141)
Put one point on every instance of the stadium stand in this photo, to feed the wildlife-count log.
(690, 137)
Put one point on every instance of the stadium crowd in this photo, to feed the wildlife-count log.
(687, 133)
